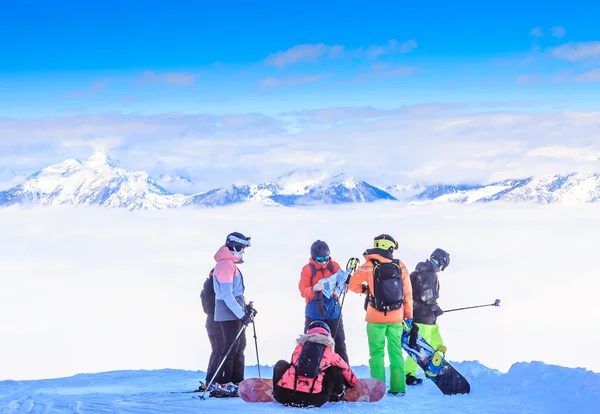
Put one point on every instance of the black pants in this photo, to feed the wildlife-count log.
(215, 336)
(333, 387)
(233, 368)
(340, 335)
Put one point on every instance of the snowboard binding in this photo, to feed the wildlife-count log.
(436, 364)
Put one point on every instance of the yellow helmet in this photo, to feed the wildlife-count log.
(385, 242)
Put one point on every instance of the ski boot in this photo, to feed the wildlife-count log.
(225, 390)
(412, 380)
(435, 365)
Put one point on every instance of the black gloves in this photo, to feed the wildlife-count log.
(249, 316)
(320, 303)
(438, 312)
(251, 307)
(414, 335)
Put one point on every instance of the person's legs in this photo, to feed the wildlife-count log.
(230, 329)
(337, 327)
(239, 360)
(214, 336)
(376, 337)
(435, 338)
(333, 383)
(278, 370)
(394, 338)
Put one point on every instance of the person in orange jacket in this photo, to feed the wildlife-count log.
(319, 307)
(387, 284)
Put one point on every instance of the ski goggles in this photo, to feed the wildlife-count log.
(385, 244)
(244, 242)
(321, 259)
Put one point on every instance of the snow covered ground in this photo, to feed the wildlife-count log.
(88, 290)
(526, 388)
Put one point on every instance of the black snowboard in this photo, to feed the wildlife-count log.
(435, 366)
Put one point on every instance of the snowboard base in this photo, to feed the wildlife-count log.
(435, 366)
(261, 390)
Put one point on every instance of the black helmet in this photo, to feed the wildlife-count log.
(319, 249)
(237, 241)
(318, 324)
(440, 258)
(385, 242)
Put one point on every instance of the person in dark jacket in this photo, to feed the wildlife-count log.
(213, 329)
(318, 306)
(426, 292)
(329, 374)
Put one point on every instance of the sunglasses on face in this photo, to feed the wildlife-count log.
(322, 259)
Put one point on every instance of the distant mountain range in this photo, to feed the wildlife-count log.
(101, 180)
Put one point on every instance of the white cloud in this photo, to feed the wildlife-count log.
(168, 78)
(537, 32)
(104, 289)
(589, 76)
(218, 150)
(303, 53)
(561, 151)
(275, 81)
(576, 51)
(385, 72)
(558, 31)
(311, 53)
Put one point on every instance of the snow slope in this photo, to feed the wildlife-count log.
(526, 388)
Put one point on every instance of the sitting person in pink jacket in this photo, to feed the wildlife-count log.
(316, 374)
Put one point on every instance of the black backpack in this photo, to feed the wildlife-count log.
(208, 295)
(388, 289)
(309, 362)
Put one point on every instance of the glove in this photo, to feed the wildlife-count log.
(414, 332)
(438, 312)
(364, 288)
(319, 286)
(249, 308)
(320, 304)
(248, 317)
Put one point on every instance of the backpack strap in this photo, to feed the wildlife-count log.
(313, 270)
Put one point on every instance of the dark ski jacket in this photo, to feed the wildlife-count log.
(426, 291)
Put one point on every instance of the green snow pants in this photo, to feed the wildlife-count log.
(431, 333)
(377, 333)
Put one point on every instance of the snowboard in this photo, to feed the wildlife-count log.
(261, 390)
(435, 366)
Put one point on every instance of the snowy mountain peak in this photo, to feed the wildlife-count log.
(299, 181)
(102, 159)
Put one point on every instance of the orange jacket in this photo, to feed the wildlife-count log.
(305, 286)
(365, 274)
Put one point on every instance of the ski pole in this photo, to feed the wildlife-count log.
(256, 346)
(352, 264)
(496, 303)
(223, 361)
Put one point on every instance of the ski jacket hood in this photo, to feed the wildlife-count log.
(225, 254)
(326, 340)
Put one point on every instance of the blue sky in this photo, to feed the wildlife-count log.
(66, 58)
